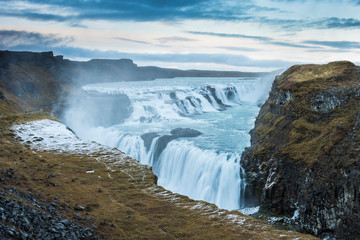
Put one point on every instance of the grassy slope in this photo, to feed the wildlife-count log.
(122, 207)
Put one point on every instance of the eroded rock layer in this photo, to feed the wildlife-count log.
(304, 159)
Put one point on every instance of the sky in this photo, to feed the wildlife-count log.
(251, 35)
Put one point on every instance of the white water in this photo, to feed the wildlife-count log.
(205, 167)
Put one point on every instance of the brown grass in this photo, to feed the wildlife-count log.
(303, 73)
(122, 208)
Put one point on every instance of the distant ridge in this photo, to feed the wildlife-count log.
(34, 80)
(109, 70)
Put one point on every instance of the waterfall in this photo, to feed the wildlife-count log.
(190, 130)
(201, 174)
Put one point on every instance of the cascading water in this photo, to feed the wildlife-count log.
(191, 130)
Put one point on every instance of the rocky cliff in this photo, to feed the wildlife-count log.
(31, 81)
(304, 159)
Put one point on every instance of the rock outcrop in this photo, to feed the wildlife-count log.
(2, 97)
(35, 220)
(163, 141)
(304, 158)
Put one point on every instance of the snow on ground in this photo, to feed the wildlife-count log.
(49, 135)
(249, 211)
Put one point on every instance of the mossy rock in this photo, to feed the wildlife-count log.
(306, 143)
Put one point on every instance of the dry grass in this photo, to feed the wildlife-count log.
(303, 73)
(308, 141)
(123, 207)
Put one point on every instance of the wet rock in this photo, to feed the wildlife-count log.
(2, 97)
(176, 133)
(184, 132)
(329, 100)
(65, 222)
(209, 93)
(21, 221)
(304, 158)
(51, 175)
(79, 208)
(173, 95)
(148, 138)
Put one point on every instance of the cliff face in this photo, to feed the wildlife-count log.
(304, 159)
(29, 80)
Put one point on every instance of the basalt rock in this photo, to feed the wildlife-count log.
(209, 93)
(35, 220)
(2, 97)
(163, 141)
(304, 158)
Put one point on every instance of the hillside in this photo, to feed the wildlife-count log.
(102, 192)
(304, 155)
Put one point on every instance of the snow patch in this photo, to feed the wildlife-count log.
(249, 211)
(236, 218)
(49, 135)
(296, 215)
(271, 179)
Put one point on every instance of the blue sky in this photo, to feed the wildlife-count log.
(252, 35)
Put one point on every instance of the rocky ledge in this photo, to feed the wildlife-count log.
(304, 158)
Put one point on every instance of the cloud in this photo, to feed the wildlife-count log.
(264, 39)
(28, 14)
(131, 40)
(227, 59)
(174, 39)
(196, 58)
(127, 10)
(301, 24)
(77, 25)
(168, 11)
(336, 44)
(329, 50)
(140, 10)
(244, 49)
(228, 35)
(293, 45)
(330, 23)
(12, 38)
